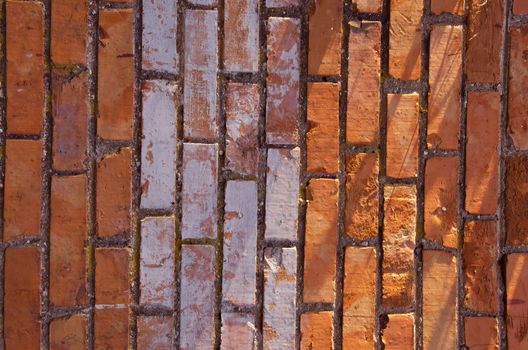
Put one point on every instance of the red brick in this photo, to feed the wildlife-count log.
(322, 136)
(155, 332)
(110, 329)
(399, 235)
(316, 330)
(238, 331)
(516, 300)
(367, 5)
(481, 333)
(67, 241)
(68, 333)
(24, 71)
(282, 3)
(115, 74)
(321, 241)
(483, 113)
(200, 100)
(21, 298)
(440, 202)
(359, 298)
(520, 7)
(363, 84)
(69, 31)
(282, 105)
(517, 96)
(361, 208)
(445, 77)
(324, 40)
(22, 189)
(516, 200)
(113, 193)
(241, 36)
(439, 299)
(402, 135)
(242, 114)
(405, 39)
(398, 333)
(455, 7)
(111, 276)
(70, 119)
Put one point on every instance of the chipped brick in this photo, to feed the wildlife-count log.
(399, 332)
(238, 331)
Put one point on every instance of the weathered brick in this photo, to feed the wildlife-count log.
(399, 235)
(115, 74)
(367, 5)
(398, 333)
(69, 31)
(203, 2)
(282, 192)
(111, 329)
(324, 39)
(22, 189)
(516, 300)
(157, 261)
(520, 7)
(158, 147)
(359, 298)
(455, 7)
(440, 201)
(197, 297)
(363, 84)
(517, 96)
(242, 114)
(70, 119)
(282, 3)
(445, 78)
(199, 190)
(241, 42)
(24, 66)
(238, 331)
(402, 135)
(111, 276)
(200, 100)
(439, 299)
(280, 269)
(21, 314)
(322, 136)
(282, 105)
(316, 330)
(113, 193)
(160, 24)
(68, 333)
(484, 40)
(482, 142)
(516, 200)
(68, 233)
(321, 240)
(240, 242)
(405, 39)
(481, 333)
(361, 208)
(155, 332)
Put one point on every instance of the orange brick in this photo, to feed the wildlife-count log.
(367, 5)
(111, 329)
(324, 40)
(316, 330)
(405, 39)
(69, 31)
(520, 7)
(323, 127)
(68, 333)
(516, 200)
(517, 300)
(398, 333)
(111, 276)
(445, 77)
(241, 28)
(481, 333)
(517, 97)
(455, 7)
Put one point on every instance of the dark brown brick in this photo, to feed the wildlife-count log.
(516, 200)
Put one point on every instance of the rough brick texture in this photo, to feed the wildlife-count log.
(69, 31)
(404, 39)
(155, 332)
(517, 96)
(241, 36)
(516, 199)
(516, 296)
(324, 56)
(68, 333)
(316, 330)
(238, 331)
(398, 333)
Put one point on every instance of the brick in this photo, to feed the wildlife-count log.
(320, 240)
(363, 84)
(440, 202)
(405, 39)
(155, 332)
(111, 329)
(242, 115)
(203, 2)
(22, 189)
(115, 74)
(282, 3)
(484, 40)
(197, 297)
(68, 333)
(482, 143)
(68, 234)
(240, 242)
(439, 299)
(517, 96)
(516, 199)
(69, 31)
(199, 197)
(159, 40)
(481, 333)
(24, 66)
(156, 263)
(455, 7)
(324, 38)
(238, 331)
(322, 136)
(111, 276)
(113, 193)
(520, 7)
(282, 191)
(70, 119)
(280, 279)
(399, 235)
(241, 36)
(21, 314)
(367, 5)
(158, 155)
(361, 206)
(398, 333)
(283, 66)
(359, 298)
(516, 300)
(199, 95)
(402, 135)
(316, 330)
